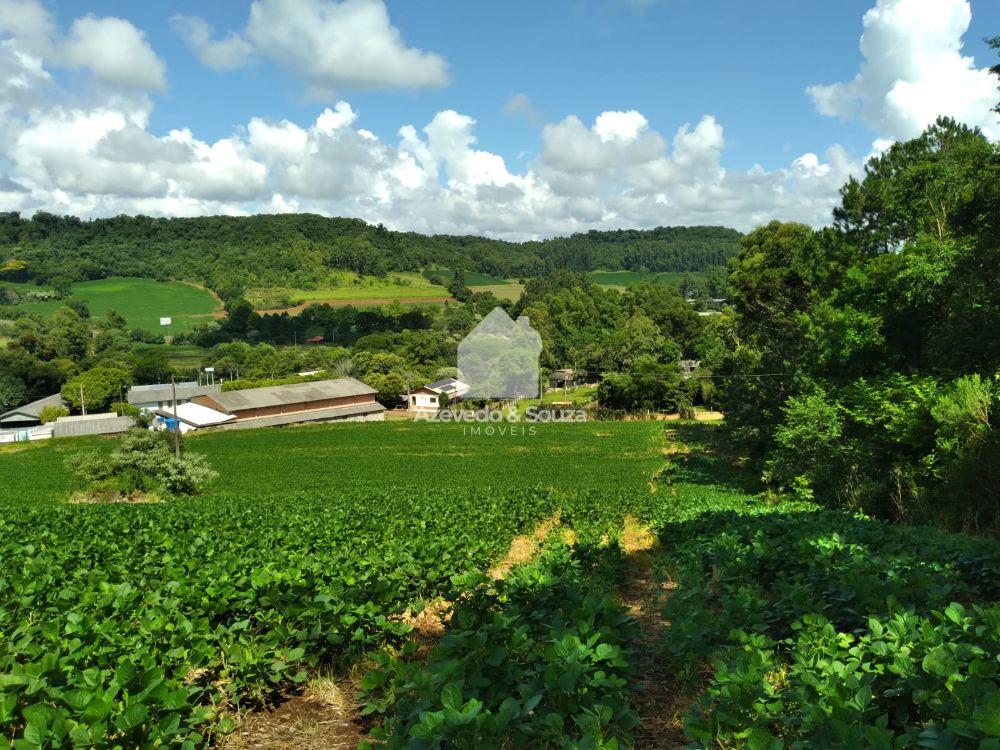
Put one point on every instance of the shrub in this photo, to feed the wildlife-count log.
(51, 413)
(125, 409)
(143, 461)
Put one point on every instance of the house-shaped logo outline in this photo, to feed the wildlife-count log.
(498, 359)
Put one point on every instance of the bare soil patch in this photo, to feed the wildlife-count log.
(524, 548)
(322, 718)
(97, 497)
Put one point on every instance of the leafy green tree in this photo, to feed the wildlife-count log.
(13, 392)
(99, 388)
(995, 70)
(151, 366)
(66, 334)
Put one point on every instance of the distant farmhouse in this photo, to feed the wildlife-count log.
(159, 396)
(565, 378)
(688, 366)
(29, 414)
(345, 399)
(428, 397)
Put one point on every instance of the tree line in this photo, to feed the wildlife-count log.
(227, 253)
(862, 364)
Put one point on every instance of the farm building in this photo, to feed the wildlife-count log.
(565, 378)
(91, 424)
(28, 415)
(320, 401)
(160, 396)
(428, 397)
(190, 416)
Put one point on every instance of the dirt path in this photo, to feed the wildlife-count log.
(659, 705)
(524, 548)
(326, 715)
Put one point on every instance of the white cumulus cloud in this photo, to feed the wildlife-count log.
(229, 53)
(913, 72)
(329, 44)
(115, 51)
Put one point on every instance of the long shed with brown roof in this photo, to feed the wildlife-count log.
(335, 397)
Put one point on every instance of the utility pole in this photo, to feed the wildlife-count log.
(83, 401)
(177, 424)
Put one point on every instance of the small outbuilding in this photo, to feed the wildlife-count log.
(191, 416)
(565, 378)
(91, 424)
(688, 366)
(29, 414)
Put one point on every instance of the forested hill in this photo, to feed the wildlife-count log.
(271, 249)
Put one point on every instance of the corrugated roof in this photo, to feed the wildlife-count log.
(30, 412)
(105, 425)
(447, 385)
(196, 414)
(300, 417)
(281, 395)
(146, 394)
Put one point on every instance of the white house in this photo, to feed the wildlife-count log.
(428, 397)
(159, 396)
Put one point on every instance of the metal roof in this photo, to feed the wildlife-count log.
(564, 374)
(300, 417)
(195, 415)
(30, 412)
(299, 393)
(447, 385)
(98, 424)
(147, 394)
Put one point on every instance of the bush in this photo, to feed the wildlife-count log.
(51, 413)
(143, 461)
(125, 409)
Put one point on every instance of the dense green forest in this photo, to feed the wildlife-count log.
(300, 249)
(862, 365)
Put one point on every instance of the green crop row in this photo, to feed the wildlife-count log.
(829, 630)
(537, 660)
(138, 626)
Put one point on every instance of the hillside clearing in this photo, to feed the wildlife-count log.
(141, 301)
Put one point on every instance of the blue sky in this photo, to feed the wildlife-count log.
(736, 73)
(675, 60)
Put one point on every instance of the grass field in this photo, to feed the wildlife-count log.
(418, 456)
(142, 301)
(472, 278)
(347, 286)
(510, 290)
(650, 601)
(631, 278)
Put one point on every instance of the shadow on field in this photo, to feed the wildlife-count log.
(785, 562)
